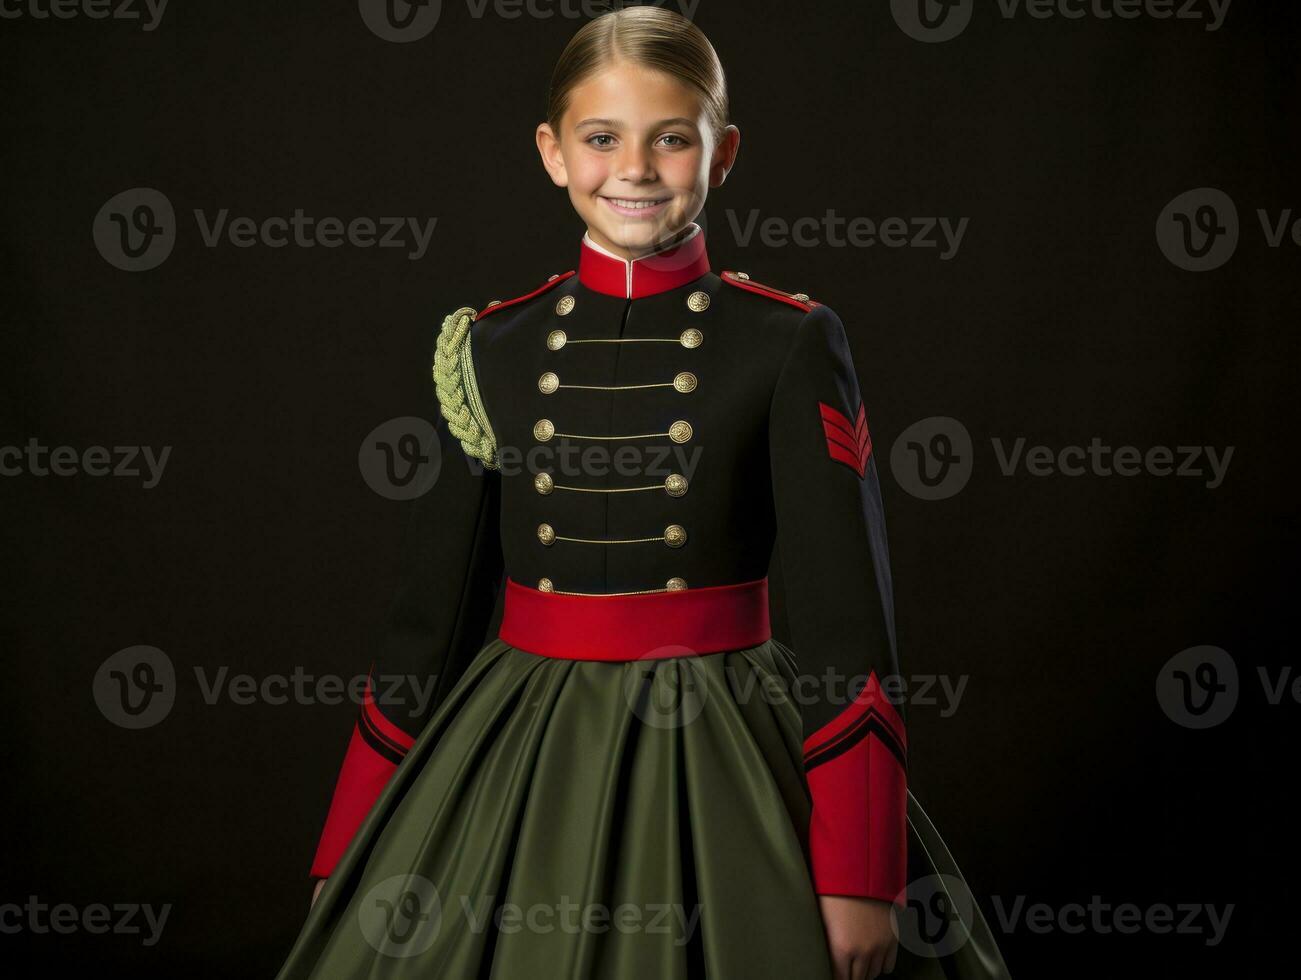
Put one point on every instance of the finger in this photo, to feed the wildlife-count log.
(862, 968)
(841, 963)
(874, 963)
(892, 958)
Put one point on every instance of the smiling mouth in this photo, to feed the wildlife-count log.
(635, 203)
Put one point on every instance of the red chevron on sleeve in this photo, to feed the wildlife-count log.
(849, 443)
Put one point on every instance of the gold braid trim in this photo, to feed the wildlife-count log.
(458, 391)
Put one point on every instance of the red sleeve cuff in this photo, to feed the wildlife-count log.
(858, 831)
(374, 751)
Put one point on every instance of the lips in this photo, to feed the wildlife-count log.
(636, 207)
(636, 202)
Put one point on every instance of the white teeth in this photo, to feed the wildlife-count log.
(636, 205)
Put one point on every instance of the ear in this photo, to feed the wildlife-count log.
(724, 156)
(549, 150)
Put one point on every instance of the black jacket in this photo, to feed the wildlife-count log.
(652, 426)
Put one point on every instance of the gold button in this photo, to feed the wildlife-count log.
(543, 430)
(675, 584)
(742, 275)
(685, 381)
(549, 382)
(556, 339)
(802, 297)
(543, 483)
(545, 585)
(553, 277)
(691, 337)
(680, 431)
(675, 535)
(675, 484)
(698, 302)
(494, 302)
(546, 534)
(564, 305)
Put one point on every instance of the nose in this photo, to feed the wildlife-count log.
(634, 163)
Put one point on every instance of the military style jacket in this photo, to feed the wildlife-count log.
(650, 426)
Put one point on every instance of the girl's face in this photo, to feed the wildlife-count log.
(637, 155)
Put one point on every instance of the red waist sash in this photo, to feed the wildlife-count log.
(649, 626)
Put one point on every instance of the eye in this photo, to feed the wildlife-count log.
(677, 140)
(600, 136)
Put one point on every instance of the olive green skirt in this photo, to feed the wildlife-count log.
(576, 819)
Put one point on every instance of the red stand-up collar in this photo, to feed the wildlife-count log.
(670, 268)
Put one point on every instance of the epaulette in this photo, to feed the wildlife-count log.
(501, 304)
(458, 389)
(742, 281)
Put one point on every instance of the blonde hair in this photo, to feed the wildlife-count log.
(652, 37)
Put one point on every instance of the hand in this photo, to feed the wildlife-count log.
(860, 937)
(317, 890)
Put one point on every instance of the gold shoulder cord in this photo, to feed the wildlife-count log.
(458, 390)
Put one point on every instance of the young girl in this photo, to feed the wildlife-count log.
(633, 780)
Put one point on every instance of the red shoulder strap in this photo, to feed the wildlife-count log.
(742, 281)
(500, 304)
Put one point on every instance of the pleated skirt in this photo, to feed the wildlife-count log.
(575, 820)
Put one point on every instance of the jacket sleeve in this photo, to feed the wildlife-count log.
(451, 568)
(831, 544)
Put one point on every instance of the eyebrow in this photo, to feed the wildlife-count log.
(618, 123)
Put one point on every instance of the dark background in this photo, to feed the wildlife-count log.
(263, 550)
